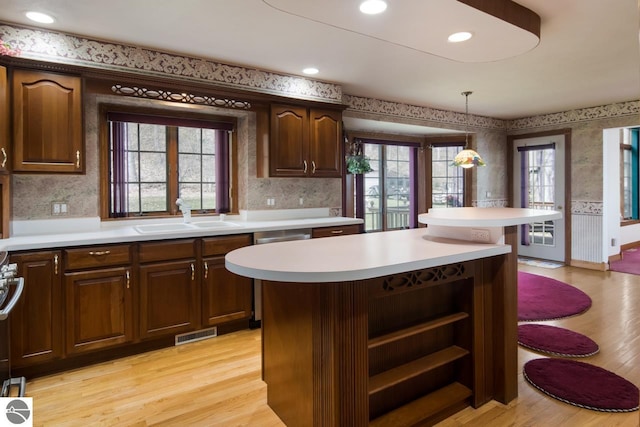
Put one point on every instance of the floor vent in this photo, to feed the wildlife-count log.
(202, 334)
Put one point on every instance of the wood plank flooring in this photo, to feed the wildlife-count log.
(217, 382)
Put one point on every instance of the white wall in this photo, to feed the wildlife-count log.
(611, 193)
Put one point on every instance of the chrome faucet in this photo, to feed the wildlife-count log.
(185, 209)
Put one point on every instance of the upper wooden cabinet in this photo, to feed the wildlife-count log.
(4, 120)
(47, 122)
(305, 142)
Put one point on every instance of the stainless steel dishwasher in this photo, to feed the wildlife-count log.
(262, 238)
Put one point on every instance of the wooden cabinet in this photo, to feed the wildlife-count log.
(339, 230)
(168, 288)
(99, 308)
(420, 344)
(47, 122)
(5, 179)
(225, 296)
(4, 120)
(305, 142)
(36, 320)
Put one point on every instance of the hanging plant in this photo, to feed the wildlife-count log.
(357, 163)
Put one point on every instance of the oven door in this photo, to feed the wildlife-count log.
(5, 364)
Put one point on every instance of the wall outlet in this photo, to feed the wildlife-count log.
(480, 235)
(58, 208)
(271, 201)
(301, 201)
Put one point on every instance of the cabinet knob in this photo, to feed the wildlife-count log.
(128, 278)
(313, 166)
(305, 166)
(4, 157)
(193, 272)
(78, 159)
(55, 264)
(206, 269)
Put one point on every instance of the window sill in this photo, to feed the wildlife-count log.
(626, 222)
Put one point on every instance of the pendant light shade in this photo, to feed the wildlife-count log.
(467, 158)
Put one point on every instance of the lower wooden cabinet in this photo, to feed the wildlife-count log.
(36, 320)
(99, 310)
(81, 302)
(168, 298)
(339, 230)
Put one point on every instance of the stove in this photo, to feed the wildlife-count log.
(11, 288)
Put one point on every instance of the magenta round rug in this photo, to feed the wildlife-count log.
(556, 341)
(543, 298)
(581, 384)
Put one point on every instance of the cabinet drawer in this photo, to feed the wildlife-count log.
(223, 245)
(341, 230)
(97, 256)
(162, 251)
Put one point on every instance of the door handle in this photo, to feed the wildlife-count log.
(206, 269)
(193, 272)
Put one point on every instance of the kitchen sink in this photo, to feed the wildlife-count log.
(191, 226)
(215, 224)
(163, 228)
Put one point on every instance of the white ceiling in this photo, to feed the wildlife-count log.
(588, 53)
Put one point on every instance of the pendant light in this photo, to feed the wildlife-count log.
(467, 158)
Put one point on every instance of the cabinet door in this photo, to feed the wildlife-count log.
(4, 120)
(47, 122)
(225, 296)
(98, 309)
(289, 141)
(325, 143)
(168, 298)
(36, 320)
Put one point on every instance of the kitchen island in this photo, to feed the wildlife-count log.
(394, 328)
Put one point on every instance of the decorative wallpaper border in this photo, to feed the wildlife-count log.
(50, 46)
(620, 109)
(396, 109)
(63, 48)
(587, 207)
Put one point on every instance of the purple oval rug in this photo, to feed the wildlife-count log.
(543, 298)
(581, 384)
(556, 341)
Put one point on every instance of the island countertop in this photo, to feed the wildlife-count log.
(486, 217)
(354, 257)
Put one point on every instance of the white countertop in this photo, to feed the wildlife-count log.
(56, 233)
(354, 257)
(486, 217)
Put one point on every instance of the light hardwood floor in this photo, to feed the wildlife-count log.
(217, 382)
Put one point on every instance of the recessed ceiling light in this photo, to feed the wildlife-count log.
(39, 17)
(311, 70)
(373, 7)
(460, 37)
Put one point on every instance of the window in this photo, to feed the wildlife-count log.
(629, 175)
(447, 181)
(153, 160)
(387, 194)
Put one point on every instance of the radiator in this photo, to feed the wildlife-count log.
(586, 238)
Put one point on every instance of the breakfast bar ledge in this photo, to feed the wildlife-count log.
(394, 328)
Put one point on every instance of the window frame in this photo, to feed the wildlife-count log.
(633, 147)
(444, 141)
(168, 115)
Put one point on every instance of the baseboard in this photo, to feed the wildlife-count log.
(600, 266)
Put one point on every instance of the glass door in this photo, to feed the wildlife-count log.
(539, 184)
